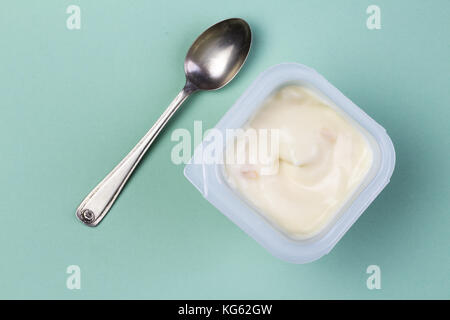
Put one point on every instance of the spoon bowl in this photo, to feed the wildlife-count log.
(218, 54)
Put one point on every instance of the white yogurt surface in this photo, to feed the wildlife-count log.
(322, 159)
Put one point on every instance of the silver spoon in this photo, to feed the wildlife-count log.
(213, 60)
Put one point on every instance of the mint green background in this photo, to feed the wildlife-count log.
(72, 104)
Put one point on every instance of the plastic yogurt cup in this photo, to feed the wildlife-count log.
(208, 176)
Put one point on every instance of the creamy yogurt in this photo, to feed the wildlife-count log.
(323, 157)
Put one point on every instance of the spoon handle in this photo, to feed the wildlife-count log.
(98, 202)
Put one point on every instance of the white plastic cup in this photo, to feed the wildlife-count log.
(210, 181)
